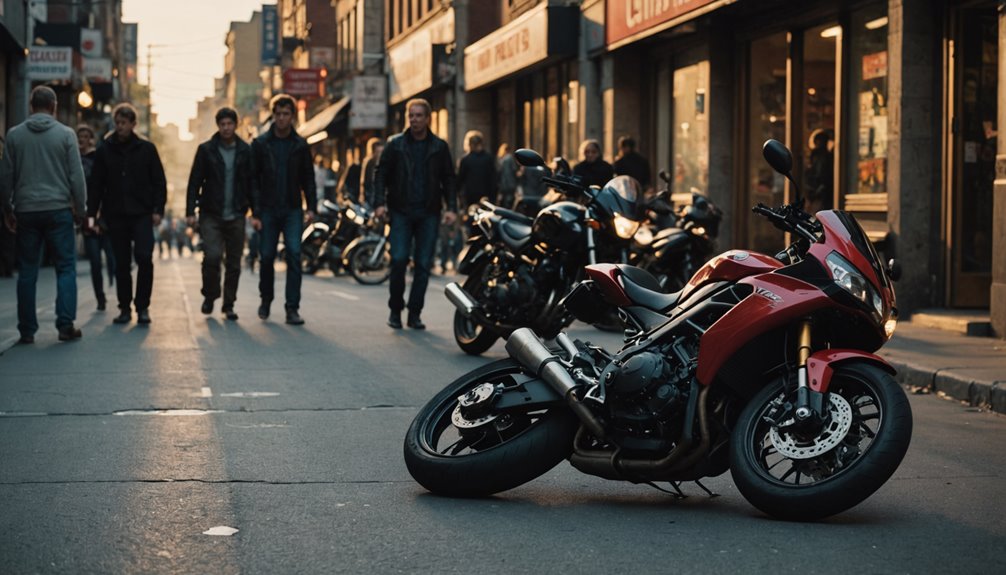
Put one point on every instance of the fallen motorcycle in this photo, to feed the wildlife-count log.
(762, 365)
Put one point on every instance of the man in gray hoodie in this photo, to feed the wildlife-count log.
(42, 194)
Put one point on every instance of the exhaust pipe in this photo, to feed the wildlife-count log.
(461, 300)
(527, 348)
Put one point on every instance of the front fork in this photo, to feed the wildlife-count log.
(809, 403)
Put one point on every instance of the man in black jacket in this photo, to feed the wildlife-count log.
(415, 178)
(220, 185)
(129, 189)
(283, 181)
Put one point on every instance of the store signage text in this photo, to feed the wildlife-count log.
(410, 62)
(629, 17)
(50, 63)
(518, 45)
(369, 110)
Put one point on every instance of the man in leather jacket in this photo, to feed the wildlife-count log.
(129, 189)
(220, 186)
(283, 184)
(415, 179)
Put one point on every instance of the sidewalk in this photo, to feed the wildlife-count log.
(928, 359)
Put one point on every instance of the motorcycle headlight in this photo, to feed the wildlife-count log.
(848, 277)
(624, 227)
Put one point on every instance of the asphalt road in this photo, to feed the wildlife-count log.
(119, 451)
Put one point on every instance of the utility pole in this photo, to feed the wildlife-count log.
(150, 94)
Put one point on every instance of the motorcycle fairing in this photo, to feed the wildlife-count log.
(606, 277)
(821, 365)
(732, 265)
(777, 300)
(669, 241)
(315, 229)
(473, 252)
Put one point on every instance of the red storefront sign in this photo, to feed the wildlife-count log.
(303, 82)
(626, 18)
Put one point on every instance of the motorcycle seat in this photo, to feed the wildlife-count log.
(514, 234)
(644, 289)
(512, 215)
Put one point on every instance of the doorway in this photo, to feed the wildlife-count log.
(974, 55)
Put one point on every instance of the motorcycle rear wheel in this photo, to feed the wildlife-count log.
(834, 472)
(509, 450)
(471, 337)
(360, 268)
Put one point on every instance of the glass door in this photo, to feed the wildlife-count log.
(974, 126)
(766, 118)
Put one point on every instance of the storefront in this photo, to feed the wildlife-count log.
(528, 72)
(972, 108)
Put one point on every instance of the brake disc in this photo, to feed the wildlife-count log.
(474, 408)
(831, 435)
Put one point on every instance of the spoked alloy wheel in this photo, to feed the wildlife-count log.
(806, 474)
(458, 445)
(367, 269)
(472, 337)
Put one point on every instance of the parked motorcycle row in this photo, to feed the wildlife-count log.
(348, 238)
(760, 365)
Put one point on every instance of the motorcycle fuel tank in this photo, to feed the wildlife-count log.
(733, 265)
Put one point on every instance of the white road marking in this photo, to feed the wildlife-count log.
(171, 412)
(206, 392)
(250, 394)
(221, 530)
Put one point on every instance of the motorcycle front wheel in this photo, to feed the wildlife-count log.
(472, 337)
(808, 475)
(365, 267)
(309, 258)
(454, 454)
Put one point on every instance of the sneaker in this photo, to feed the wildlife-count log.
(229, 314)
(143, 316)
(395, 319)
(263, 311)
(415, 322)
(207, 307)
(69, 333)
(124, 317)
(26, 339)
(293, 318)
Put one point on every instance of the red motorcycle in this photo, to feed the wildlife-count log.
(761, 365)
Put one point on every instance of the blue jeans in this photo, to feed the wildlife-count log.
(53, 228)
(421, 228)
(291, 224)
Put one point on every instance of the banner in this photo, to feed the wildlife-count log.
(96, 69)
(370, 103)
(50, 63)
(270, 35)
(90, 43)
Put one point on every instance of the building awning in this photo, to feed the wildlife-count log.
(319, 124)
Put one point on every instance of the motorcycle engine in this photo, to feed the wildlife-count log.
(646, 393)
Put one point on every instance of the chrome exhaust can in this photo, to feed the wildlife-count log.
(461, 300)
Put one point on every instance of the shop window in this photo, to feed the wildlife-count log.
(691, 128)
(817, 126)
(767, 112)
(867, 148)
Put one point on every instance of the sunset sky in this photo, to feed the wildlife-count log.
(188, 51)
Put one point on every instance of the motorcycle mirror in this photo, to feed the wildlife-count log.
(778, 156)
(561, 165)
(665, 175)
(894, 269)
(530, 158)
(781, 159)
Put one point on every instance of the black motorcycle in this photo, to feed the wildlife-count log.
(519, 267)
(368, 257)
(673, 253)
(325, 238)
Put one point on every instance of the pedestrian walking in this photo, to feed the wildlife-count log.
(42, 194)
(129, 189)
(415, 179)
(476, 171)
(96, 240)
(220, 187)
(592, 168)
(283, 181)
(375, 146)
(508, 174)
(7, 249)
(631, 163)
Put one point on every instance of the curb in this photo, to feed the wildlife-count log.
(949, 383)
